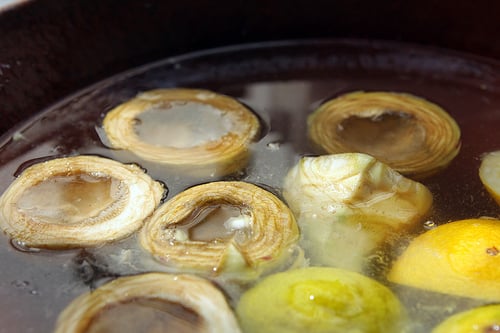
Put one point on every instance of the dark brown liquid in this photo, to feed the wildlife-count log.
(283, 84)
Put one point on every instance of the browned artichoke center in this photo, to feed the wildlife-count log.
(69, 198)
(216, 222)
(390, 133)
(181, 124)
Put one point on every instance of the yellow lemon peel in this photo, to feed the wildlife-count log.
(459, 258)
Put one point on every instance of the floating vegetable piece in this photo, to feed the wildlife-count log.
(153, 302)
(485, 319)
(413, 136)
(489, 173)
(460, 258)
(197, 131)
(347, 205)
(320, 300)
(230, 228)
(77, 202)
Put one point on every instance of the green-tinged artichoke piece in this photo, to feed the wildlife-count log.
(235, 229)
(196, 132)
(320, 300)
(77, 201)
(347, 205)
(153, 302)
(413, 136)
(485, 319)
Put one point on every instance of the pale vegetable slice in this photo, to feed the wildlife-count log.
(320, 300)
(234, 229)
(196, 131)
(413, 136)
(347, 205)
(459, 258)
(485, 319)
(77, 202)
(153, 302)
(489, 173)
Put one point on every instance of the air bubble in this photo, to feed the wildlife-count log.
(428, 225)
(273, 146)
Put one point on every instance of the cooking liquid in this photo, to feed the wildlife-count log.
(181, 125)
(282, 84)
(72, 198)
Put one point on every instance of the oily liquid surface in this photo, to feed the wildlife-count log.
(68, 199)
(217, 223)
(39, 286)
(145, 316)
(181, 125)
(390, 134)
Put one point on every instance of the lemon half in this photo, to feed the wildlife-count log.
(460, 258)
(320, 300)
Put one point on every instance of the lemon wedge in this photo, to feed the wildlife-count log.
(460, 258)
(489, 173)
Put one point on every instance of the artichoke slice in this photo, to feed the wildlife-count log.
(320, 299)
(484, 319)
(152, 302)
(77, 201)
(347, 205)
(232, 228)
(413, 136)
(489, 173)
(194, 131)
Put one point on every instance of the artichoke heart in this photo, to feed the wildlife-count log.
(484, 319)
(152, 302)
(347, 205)
(232, 228)
(320, 300)
(413, 136)
(489, 173)
(77, 201)
(194, 131)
